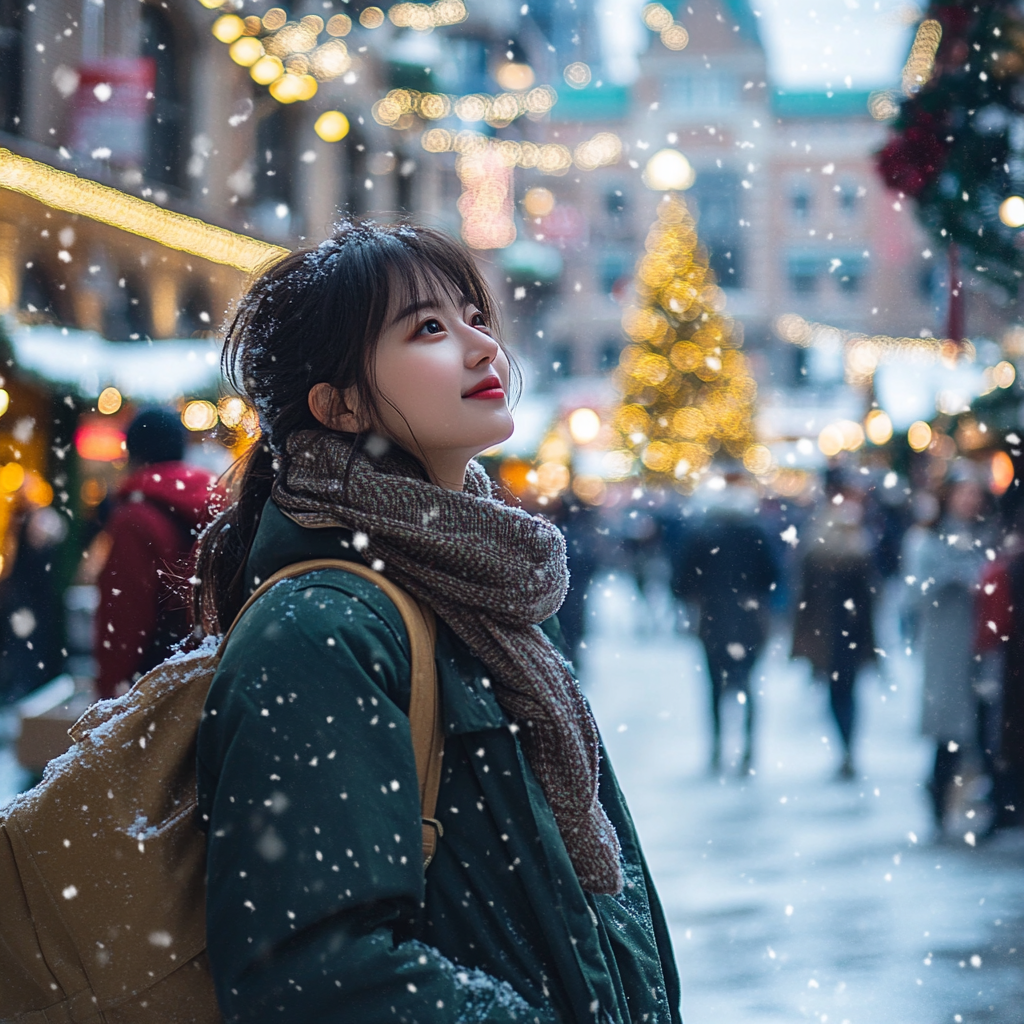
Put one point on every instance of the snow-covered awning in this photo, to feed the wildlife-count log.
(143, 371)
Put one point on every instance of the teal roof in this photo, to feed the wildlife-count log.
(607, 103)
(839, 103)
(745, 18)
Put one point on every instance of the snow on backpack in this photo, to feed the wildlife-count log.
(102, 865)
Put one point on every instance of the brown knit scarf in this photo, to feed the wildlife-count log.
(492, 573)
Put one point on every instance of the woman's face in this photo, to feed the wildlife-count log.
(442, 381)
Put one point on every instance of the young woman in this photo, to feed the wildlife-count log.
(375, 366)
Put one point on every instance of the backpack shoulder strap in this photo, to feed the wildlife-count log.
(424, 700)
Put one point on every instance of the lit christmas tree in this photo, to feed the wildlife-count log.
(687, 391)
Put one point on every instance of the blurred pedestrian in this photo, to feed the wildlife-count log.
(833, 625)
(727, 569)
(162, 506)
(947, 573)
(30, 619)
(581, 525)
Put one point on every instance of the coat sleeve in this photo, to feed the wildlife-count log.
(307, 779)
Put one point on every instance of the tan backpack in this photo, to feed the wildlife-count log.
(102, 865)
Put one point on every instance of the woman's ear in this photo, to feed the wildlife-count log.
(335, 409)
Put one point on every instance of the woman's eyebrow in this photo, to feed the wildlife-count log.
(413, 308)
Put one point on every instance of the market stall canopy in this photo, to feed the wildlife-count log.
(143, 371)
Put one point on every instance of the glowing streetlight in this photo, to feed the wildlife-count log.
(668, 170)
(1011, 211)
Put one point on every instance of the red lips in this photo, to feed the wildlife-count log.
(489, 387)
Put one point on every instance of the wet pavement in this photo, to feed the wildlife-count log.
(792, 896)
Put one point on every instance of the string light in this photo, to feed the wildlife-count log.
(862, 355)
(424, 17)
(486, 200)
(921, 62)
(64, 191)
(228, 28)
(400, 106)
(550, 158)
(331, 126)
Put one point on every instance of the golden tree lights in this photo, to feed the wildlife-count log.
(486, 203)
(687, 391)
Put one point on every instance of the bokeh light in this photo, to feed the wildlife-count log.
(331, 126)
(878, 427)
(371, 17)
(5, 401)
(246, 51)
(657, 17)
(12, 476)
(109, 401)
(919, 435)
(1002, 473)
(1011, 211)
(577, 75)
(339, 25)
(538, 202)
(515, 77)
(668, 170)
(584, 425)
(228, 28)
(830, 440)
(675, 37)
(1004, 374)
(267, 69)
(199, 415)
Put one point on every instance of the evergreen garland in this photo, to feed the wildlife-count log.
(958, 142)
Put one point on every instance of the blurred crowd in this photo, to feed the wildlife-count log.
(870, 558)
(867, 558)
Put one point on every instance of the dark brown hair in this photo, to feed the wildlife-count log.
(315, 317)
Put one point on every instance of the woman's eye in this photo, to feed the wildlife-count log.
(432, 327)
(478, 320)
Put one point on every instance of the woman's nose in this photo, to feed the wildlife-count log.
(482, 348)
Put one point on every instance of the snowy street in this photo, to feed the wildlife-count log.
(792, 896)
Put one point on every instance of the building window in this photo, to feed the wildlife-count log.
(803, 273)
(612, 268)
(800, 202)
(849, 196)
(167, 117)
(615, 202)
(609, 357)
(702, 91)
(716, 203)
(11, 64)
(850, 275)
(561, 361)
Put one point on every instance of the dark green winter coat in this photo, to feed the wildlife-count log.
(318, 907)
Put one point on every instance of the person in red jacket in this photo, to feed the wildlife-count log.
(163, 504)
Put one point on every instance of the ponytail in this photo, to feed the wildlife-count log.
(218, 588)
